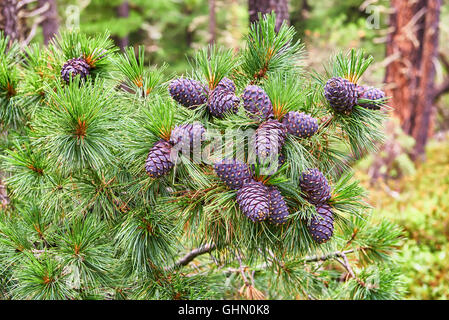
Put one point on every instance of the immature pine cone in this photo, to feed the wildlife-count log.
(188, 92)
(314, 184)
(321, 227)
(257, 103)
(254, 201)
(233, 173)
(74, 67)
(278, 207)
(159, 162)
(300, 124)
(370, 93)
(341, 94)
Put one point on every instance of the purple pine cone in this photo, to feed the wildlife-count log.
(314, 184)
(188, 92)
(300, 124)
(254, 201)
(257, 103)
(74, 67)
(341, 94)
(321, 227)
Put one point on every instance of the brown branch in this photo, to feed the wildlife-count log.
(242, 269)
(23, 3)
(193, 254)
(332, 255)
(32, 33)
(37, 12)
(345, 263)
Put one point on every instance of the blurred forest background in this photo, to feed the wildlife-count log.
(408, 180)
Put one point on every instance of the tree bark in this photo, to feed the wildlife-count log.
(50, 25)
(411, 76)
(212, 22)
(9, 21)
(280, 7)
(123, 12)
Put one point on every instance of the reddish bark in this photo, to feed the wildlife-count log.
(411, 76)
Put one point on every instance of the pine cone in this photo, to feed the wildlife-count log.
(189, 93)
(74, 67)
(227, 84)
(159, 162)
(233, 173)
(222, 101)
(300, 124)
(187, 136)
(321, 227)
(370, 93)
(278, 207)
(341, 94)
(281, 160)
(254, 201)
(257, 103)
(314, 184)
(269, 139)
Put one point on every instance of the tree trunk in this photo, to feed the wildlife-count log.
(212, 22)
(413, 47)
(9, 21)
(123, 12)
(280, 7)
(50, 25)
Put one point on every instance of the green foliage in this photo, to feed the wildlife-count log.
(415, 203)
(215, 63)
(87, 222)
(269, 52)
(75, 128)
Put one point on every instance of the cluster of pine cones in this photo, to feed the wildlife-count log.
(343, 95)
(316, 187)
(256, 200)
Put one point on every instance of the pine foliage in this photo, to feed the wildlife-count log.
(85, 220)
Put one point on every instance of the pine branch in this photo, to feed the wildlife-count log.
(189, 257)
(328, 256)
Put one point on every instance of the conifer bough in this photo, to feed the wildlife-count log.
(101, 210)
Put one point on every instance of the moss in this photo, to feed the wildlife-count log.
(420, 203)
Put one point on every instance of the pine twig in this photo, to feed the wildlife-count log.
(242, 269)
(345, 263)
(332, 255)
(193, 254)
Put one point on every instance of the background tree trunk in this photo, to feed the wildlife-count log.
(413, 45)
(212, 22)
(123, 12)
(9, 21)
(280, 7)
(50, 25)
